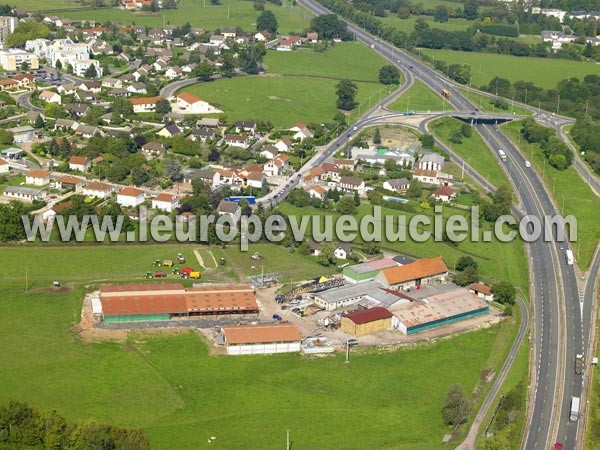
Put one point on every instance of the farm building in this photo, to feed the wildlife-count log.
(351, 294)
(419, 273)
(366, 321)
(152, 302)
(261, 339)
(367, 271)
(482, 291)
(436, 308)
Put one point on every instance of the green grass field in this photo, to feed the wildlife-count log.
(572, 195)
(36, 5)
(232, 13)
(473, 150)
(408, 25)
(170, 387)
(420, 98)
(543, 72)
(485, 103)
(299, 86)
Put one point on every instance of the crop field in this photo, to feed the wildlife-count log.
(233, 13)
(420, 98)
(408, 25)
(543, 72)
(170, 387)
(291, 91)
(572, 195)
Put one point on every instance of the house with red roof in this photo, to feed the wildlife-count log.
(80, 163)
(130, 197)
(188, 103)
(422, 272)
(165, 202)
(444, 194)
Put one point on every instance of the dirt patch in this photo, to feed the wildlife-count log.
(274, 97)
(52, 290)
(199, 258)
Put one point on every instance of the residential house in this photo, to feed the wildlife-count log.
(208, 122)
(314, 175)
(130, 197)
(202, 135)
(137, 88)
(482, 291)
(431, 161)
(80, 163)
(67, 88)
(50, 97)
(317, 192)
(312, 37)
(14, 59)
(119, 92)
(284, 145)
(301, 131)
(255, 179)
(88, 131)
(426, 176)
(269, 152)
(209, 177)
(169, 130)
(87, 96)
(342, 250)
(24, 194)
(4, 167)
(95, 189)
(69, 183)
(22, 134)
(145, 104)
(227, 208)
(444, 194)
(37, 177)
(91, 86)
(190, 103)
(236, 140)
(397, 185)
(112, 83)
(331, 172)
(262, 36)
(165, 202)
(65, 124)
(245, 127)
(277, 166)
(173, 72)
(77, 109)
(351, 184)
(344, 163)
(288, 44)
(152, 150)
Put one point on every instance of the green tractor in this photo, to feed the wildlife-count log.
(156, 263)
(148, 276)
(176, 271)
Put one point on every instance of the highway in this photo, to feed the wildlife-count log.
(558, 334)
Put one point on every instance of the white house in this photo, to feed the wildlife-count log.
(4, 167)
(130, 197)
(80, 163)
(482, 291)
(277, 165)
(37, 177)
(301, 131)
(352, 184)
(50, 97)
(444, 194)
(165, 202)
(236, 140)
(25, 194)
(227, 208)
(269, 152)
(343, 250)
(431, 161)
(426, 176)
(144, 104)
(283, 145)
(191, 104)
(22, 134)
(95, 189)
(397, 185)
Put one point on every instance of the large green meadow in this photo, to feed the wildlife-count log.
(419, 97)
(298, 86)
(543, 72)
(171, 388)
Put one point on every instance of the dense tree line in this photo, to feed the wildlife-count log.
(22, 426)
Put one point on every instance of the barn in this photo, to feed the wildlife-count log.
(368, 270)
(367, 321)
(261, 339)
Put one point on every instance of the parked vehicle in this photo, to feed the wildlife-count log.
(194, 275)
(186, 271)
(148, 276)
(156, 263)
(574, 413)
(276, 317)
(167, 263)
(180, 258)
(160, 274)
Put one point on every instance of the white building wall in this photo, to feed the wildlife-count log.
(263, 349)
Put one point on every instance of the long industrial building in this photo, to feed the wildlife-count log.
(259, 339)
(154, 302)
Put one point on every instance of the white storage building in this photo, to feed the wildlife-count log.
(261, 339)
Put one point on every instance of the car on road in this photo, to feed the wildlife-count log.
(527, 163)
(355, 128)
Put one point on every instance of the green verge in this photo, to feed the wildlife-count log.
(473, 150)
(419, 97)
(485, 103)
(573, 196)
(543, 72)
(593, 419)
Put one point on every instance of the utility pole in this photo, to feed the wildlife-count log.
(347, 350)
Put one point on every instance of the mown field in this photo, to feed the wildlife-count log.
(420, 98)
(408, 25)
(544, 72)
(233, 13)
(298, 86)
(572, 195)
(473, 150)
(170, 387)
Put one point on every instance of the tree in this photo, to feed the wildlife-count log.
(121, 109)
(204, 72)
(456, 137)
(330, 26)
(228, 64)
(389, 74)
(163, 106)
(25, 31)
(371, 248)
(356, 198)
(252, 57)
(172, 169)
(440, 14)
(39, 122)
(346, 92)
(415, 189)
(470, 9)
(326, 256)
(377, 136)
(466, 130)
(346, 206)
(456, 408)
(427, 141)
(267, 21)
(6, 137)
(91, 71)
(500, 205)
(504, 292)
(467, 276)
(465, 261)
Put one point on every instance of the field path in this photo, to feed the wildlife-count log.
(213, 258)
(199, 258)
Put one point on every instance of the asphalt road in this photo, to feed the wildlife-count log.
(552, 279)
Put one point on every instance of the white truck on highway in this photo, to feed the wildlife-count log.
(502, 154)
(574, 413)
(569, 255)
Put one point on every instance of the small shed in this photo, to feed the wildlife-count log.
(367, 321)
